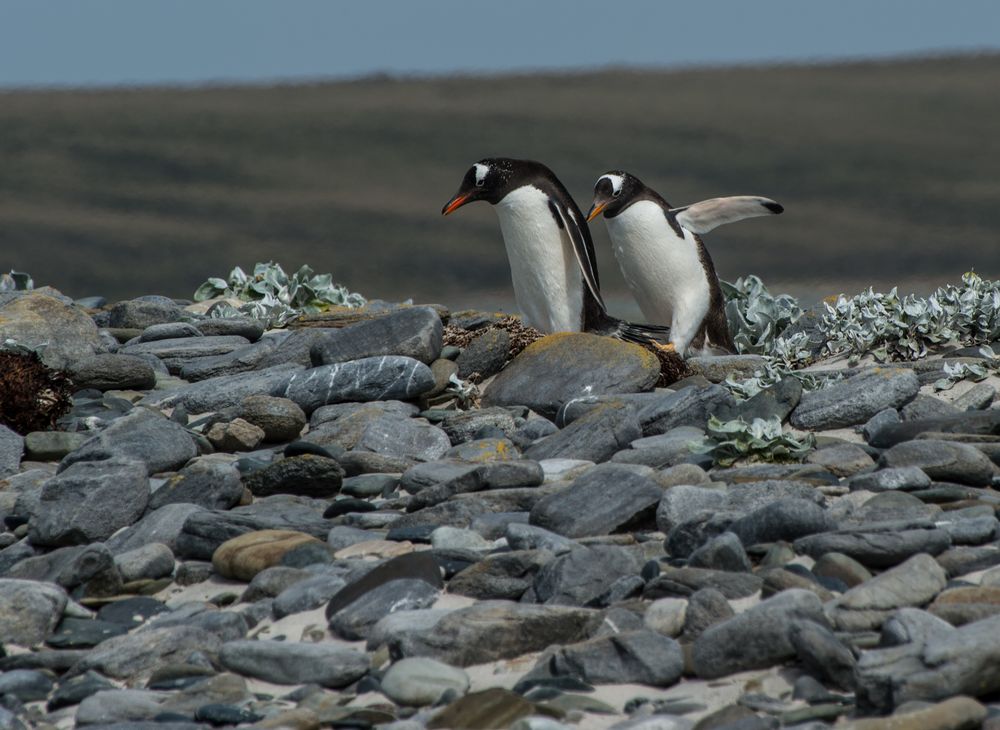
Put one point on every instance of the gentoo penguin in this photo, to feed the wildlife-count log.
(664, 262)
(549, 248)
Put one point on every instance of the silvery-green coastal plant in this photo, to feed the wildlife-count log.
(887, 326)
(756, 317)
(977, 371)
(465, 393)
(759, 440)
(275, 297)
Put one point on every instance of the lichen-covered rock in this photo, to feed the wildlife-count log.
(63, 333)
(567, 365)
(279, 418)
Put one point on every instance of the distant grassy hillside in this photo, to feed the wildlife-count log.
(888, 171)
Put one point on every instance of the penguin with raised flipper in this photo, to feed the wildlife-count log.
(664, 262)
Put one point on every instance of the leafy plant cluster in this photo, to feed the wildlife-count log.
(887, 326)
(976, 371)
(760, 440)
(904, 328)
(758, 319)
(274, 296)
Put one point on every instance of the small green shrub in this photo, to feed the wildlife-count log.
(275, 297)
(886, 326)
(761, 440)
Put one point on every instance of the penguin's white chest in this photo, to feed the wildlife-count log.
(548, 285)
(663, 271)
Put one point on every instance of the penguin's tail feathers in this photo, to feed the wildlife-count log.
(640, 334)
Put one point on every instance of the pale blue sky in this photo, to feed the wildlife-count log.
(108, 42)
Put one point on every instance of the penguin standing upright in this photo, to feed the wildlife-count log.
(664, 262)
(549, 248)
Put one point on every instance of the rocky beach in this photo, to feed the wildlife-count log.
(402, 517)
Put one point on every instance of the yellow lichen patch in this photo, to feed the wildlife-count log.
(607, 348)
(492, 450)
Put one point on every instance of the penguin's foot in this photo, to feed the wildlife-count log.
(667, 348)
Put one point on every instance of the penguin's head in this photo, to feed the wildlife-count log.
(613, 191)
(489, 179)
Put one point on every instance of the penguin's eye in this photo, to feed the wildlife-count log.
(616, 193)
(480, 183)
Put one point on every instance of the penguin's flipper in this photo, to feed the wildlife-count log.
(709, 214)
(579, 238)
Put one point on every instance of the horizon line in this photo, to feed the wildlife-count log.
(555, 70)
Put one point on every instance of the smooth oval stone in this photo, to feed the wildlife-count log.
(242, 557)
(419, 681)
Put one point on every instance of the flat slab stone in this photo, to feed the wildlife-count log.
(414, 332)
(492, 630)
(855, 399)
(877, 547)
(866, 606)
(585, 509)
(372, 378)
(568, 365)
(142, 435)
(595, 436)
(223, 391)
(294, 662)
(946, 461)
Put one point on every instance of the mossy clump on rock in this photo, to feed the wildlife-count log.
(521, 335)
(32, 395)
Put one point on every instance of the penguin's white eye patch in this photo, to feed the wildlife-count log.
(481, 172)
(617, 181)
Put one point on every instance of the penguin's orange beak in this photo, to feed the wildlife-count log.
(454, 204)
(595, 210)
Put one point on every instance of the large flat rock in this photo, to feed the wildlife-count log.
(568, 365)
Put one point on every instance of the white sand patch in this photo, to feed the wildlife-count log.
(375, 549)
(175, 595)
(847, 434)
(504, 674)
(713, 694)
(960, 388)
(452, 601)
(305, 626)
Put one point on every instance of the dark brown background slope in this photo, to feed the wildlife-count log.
(888, 171)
